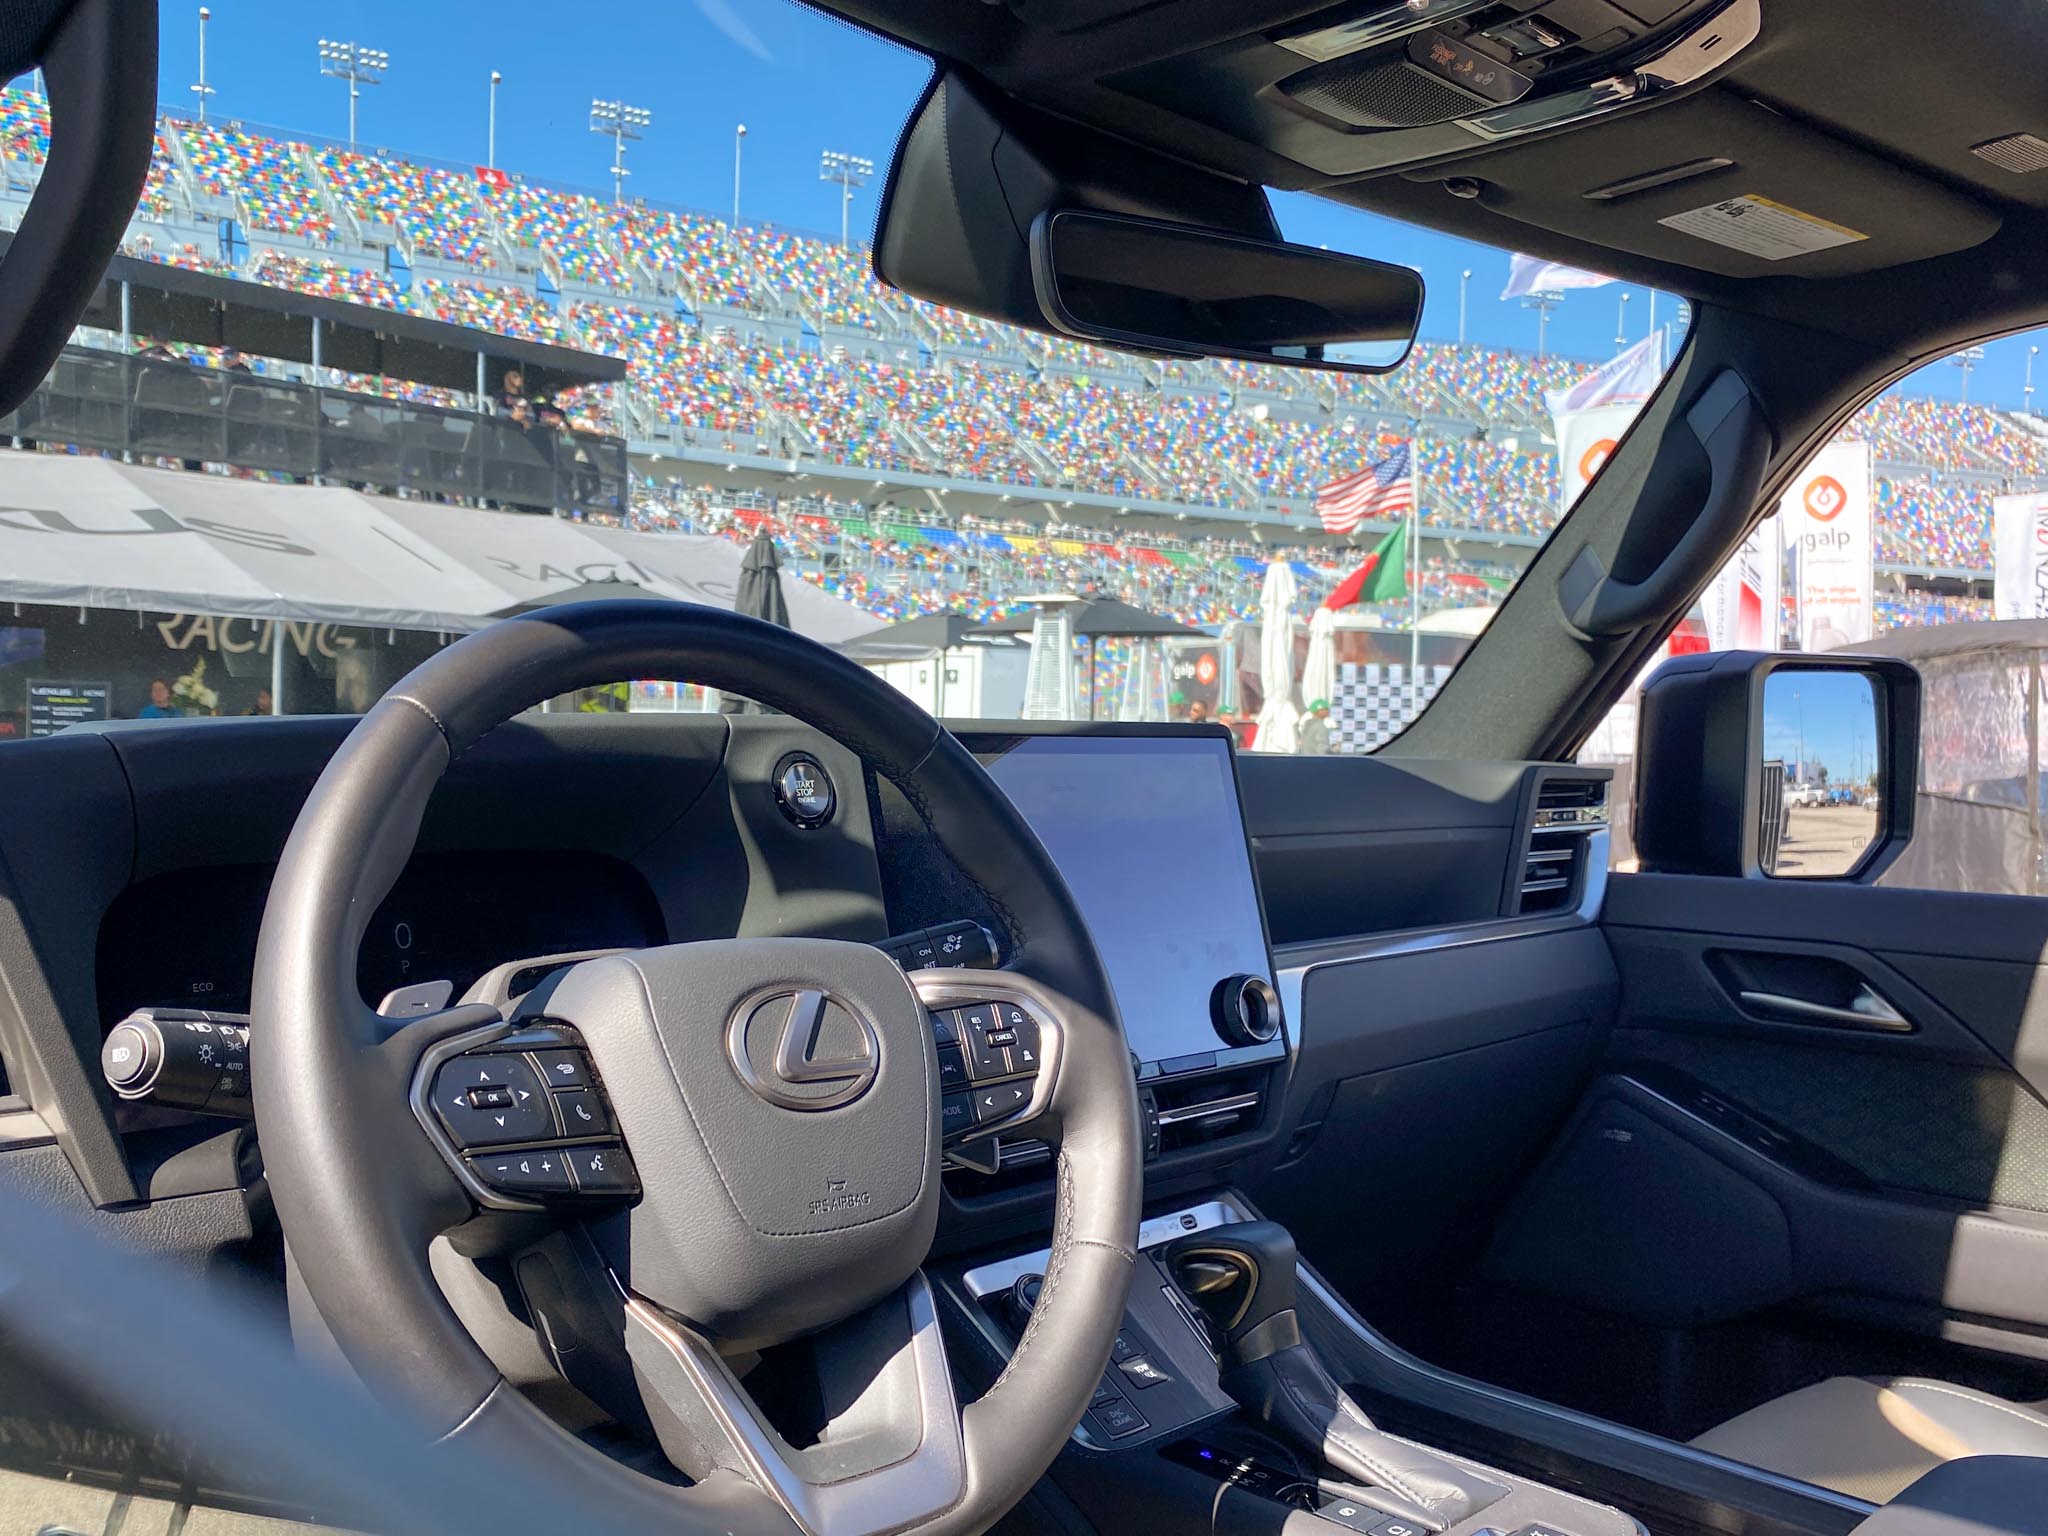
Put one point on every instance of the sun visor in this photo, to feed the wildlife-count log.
(1723, 185)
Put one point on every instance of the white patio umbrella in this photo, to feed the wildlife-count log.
(1319, 672)
(1279, 720)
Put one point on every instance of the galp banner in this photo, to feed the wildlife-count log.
(2019, 533)
(1741, 604)
(1826, 516)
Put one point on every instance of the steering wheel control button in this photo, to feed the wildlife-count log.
(564, 1069)
(803, 791)
(543, 1171)
(952, 1069)
(999, 1100)
(491, 1100)
(1023, 1030)
(582, 1113)
(602, 1170)
(956, 1114)
(1118, 1420)
(130, 1056)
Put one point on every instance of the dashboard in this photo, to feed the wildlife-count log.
(187, 938)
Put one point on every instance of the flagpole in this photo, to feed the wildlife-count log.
(1414, 571)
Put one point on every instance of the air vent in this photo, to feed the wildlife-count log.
(2019, 153)
(1553, 868)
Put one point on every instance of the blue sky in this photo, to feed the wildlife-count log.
(1833, 713)
(801, 83)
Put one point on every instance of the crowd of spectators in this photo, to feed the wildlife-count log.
(951, 395)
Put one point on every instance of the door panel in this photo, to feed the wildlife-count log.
(1817, 1145)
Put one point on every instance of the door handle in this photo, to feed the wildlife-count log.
(1868, 1010)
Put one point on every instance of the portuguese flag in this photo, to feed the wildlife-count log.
(1383, 577)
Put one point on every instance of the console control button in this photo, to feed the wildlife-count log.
(1351, 1514)
(515, 1106)
(1140, 1373)
(1118, 1420)
(1105, 1394)
(564, 1069)
(1392, 1527)
(602, 1170)
(1124, 1348)
(542, 1171)
(582, 1113)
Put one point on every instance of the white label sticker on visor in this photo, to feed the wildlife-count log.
(1759, 227)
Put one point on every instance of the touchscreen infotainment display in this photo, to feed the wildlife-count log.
(1149, 834)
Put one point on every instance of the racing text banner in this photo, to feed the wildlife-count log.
(2019, 537)
(1743, 604)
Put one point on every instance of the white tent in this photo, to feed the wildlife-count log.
(92, 533)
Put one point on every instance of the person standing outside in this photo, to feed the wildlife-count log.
(1314, 739)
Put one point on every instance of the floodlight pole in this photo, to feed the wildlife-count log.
(491, 135)
(739, 142)
(201, 89)
(357, 65)
(846, 172)
(1464, 282)
(619, 122)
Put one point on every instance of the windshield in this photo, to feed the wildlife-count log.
(552, 330)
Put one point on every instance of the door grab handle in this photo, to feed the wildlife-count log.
(1871, 1010)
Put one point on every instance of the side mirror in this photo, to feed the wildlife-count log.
(1772, 765)
(1163, 287)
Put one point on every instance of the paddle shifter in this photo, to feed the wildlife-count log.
(1241, 1276)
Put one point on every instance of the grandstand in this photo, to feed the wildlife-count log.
(767, 365)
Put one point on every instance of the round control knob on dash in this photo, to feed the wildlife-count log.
(1245, 1010)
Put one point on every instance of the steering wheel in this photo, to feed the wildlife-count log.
(788, 1183)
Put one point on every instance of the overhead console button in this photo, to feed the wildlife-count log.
(1467, 68)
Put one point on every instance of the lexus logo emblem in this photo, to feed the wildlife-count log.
(803, 1049)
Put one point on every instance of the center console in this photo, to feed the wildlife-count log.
(1216, 1413)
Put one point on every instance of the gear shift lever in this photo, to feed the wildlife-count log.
(1241, 1276)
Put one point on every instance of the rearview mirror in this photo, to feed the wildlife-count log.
(1175, 288)
(1773, 764)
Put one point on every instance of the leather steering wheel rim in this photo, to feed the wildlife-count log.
(360, 1190)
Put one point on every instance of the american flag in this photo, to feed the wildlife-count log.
(1381, 492)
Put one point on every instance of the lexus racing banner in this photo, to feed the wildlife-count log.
(1743, 603)
(1826, 515)
(2019, 532)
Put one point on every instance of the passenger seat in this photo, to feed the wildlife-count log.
(1872, 1437)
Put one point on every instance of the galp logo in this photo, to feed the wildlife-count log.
(1205, 669)
(1594, 459)
(1825, 498)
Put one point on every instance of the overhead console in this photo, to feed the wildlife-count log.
(1415, 80)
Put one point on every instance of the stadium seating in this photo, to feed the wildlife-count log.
(265, 177)
(570, 227)
(955, 396)
(439, 213)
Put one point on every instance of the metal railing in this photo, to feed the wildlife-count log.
(152, 409)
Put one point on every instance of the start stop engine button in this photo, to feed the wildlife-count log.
(803, 791)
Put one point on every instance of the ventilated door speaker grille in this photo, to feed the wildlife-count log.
(1390, 94)
(2017, 152)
